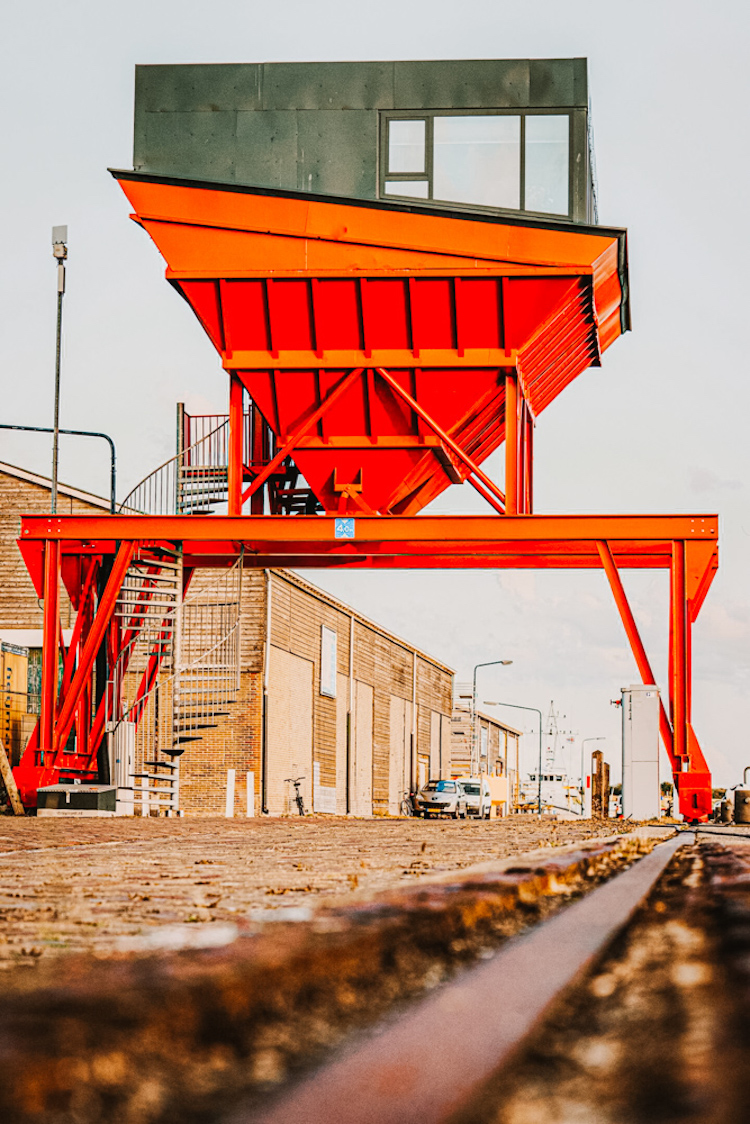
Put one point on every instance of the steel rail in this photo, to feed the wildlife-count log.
(424, 1066)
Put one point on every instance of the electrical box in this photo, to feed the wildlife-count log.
(76, 800)
(641, 793)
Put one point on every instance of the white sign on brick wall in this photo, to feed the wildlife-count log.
(328, 662)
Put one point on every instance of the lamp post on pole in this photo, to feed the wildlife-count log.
(515, 706)
(60, 253)
(489, 663)
(583, 747)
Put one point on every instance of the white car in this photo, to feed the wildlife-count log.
(478, 796)
(441, 798)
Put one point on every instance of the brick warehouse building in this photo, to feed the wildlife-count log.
(324, 693)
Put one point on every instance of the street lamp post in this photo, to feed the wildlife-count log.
(515, 706)
(60, 253)
(583, 747)
(474, 751)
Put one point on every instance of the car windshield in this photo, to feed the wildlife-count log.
(471, 789)
(440, 786)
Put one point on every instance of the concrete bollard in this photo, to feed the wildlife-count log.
(229, 813)
(250, 793)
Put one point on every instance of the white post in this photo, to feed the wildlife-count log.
(229, 813)
(250, 793)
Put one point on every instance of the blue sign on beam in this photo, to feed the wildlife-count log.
(344, 528)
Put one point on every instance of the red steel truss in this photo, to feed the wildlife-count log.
(387, 352)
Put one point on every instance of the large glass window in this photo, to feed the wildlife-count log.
(477, 160)
(509, 161)
(547, 142)
(406, 146)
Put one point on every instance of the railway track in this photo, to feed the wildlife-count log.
(595, 983)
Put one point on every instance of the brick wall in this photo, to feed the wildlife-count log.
(23, 493)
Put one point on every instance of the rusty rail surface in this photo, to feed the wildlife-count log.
(189, 1036)
(424, 1066)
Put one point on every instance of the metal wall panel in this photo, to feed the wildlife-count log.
(328, 85)
(314, 126)
(580, 171)
(199, 87)
(337, 153)
(459, 84)
(266, 149)
(557, 82)
(197, 145)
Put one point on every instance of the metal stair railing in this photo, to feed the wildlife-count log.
(190, 483)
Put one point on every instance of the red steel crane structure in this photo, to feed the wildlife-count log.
(383, 351)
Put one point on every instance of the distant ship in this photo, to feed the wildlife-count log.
(560, 796)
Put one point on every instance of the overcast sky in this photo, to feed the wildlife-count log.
(661, 427)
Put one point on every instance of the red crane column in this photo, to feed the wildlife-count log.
(678, 671)
(511, 444)
(50, 639)
(235, 456)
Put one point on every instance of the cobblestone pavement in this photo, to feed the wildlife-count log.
(108, 885)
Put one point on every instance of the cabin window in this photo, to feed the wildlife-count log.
(514, 161)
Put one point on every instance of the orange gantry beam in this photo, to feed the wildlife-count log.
(686, 546)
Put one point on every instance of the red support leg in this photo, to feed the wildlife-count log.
(529, 448)
(693, 780)
(50, 640)
(259, 454)
(511, 444)
(678, 660)
(236, 447)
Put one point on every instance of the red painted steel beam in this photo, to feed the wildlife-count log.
(474, 470)
(99, 533)
(99, 625)
(304, 429)
(678, 652)
(236, 447)
(511, 444)
(50, 634)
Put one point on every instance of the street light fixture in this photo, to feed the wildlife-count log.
(583, 746)
(59, 253)
(515, 706)
(474, 748)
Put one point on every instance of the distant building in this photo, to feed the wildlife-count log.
(486, 746)
(319, 692)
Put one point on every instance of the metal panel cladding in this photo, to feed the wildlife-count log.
(319, 127)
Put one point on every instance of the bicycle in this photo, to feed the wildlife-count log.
(298, 798)
(407, 806)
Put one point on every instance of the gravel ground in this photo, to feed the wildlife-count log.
(96, 885)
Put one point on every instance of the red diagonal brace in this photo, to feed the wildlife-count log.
(98, 627)
(631, 628)
(312, 421)
(70, 658)
(474, 469)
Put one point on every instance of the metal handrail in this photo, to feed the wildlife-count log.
(161, 492)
